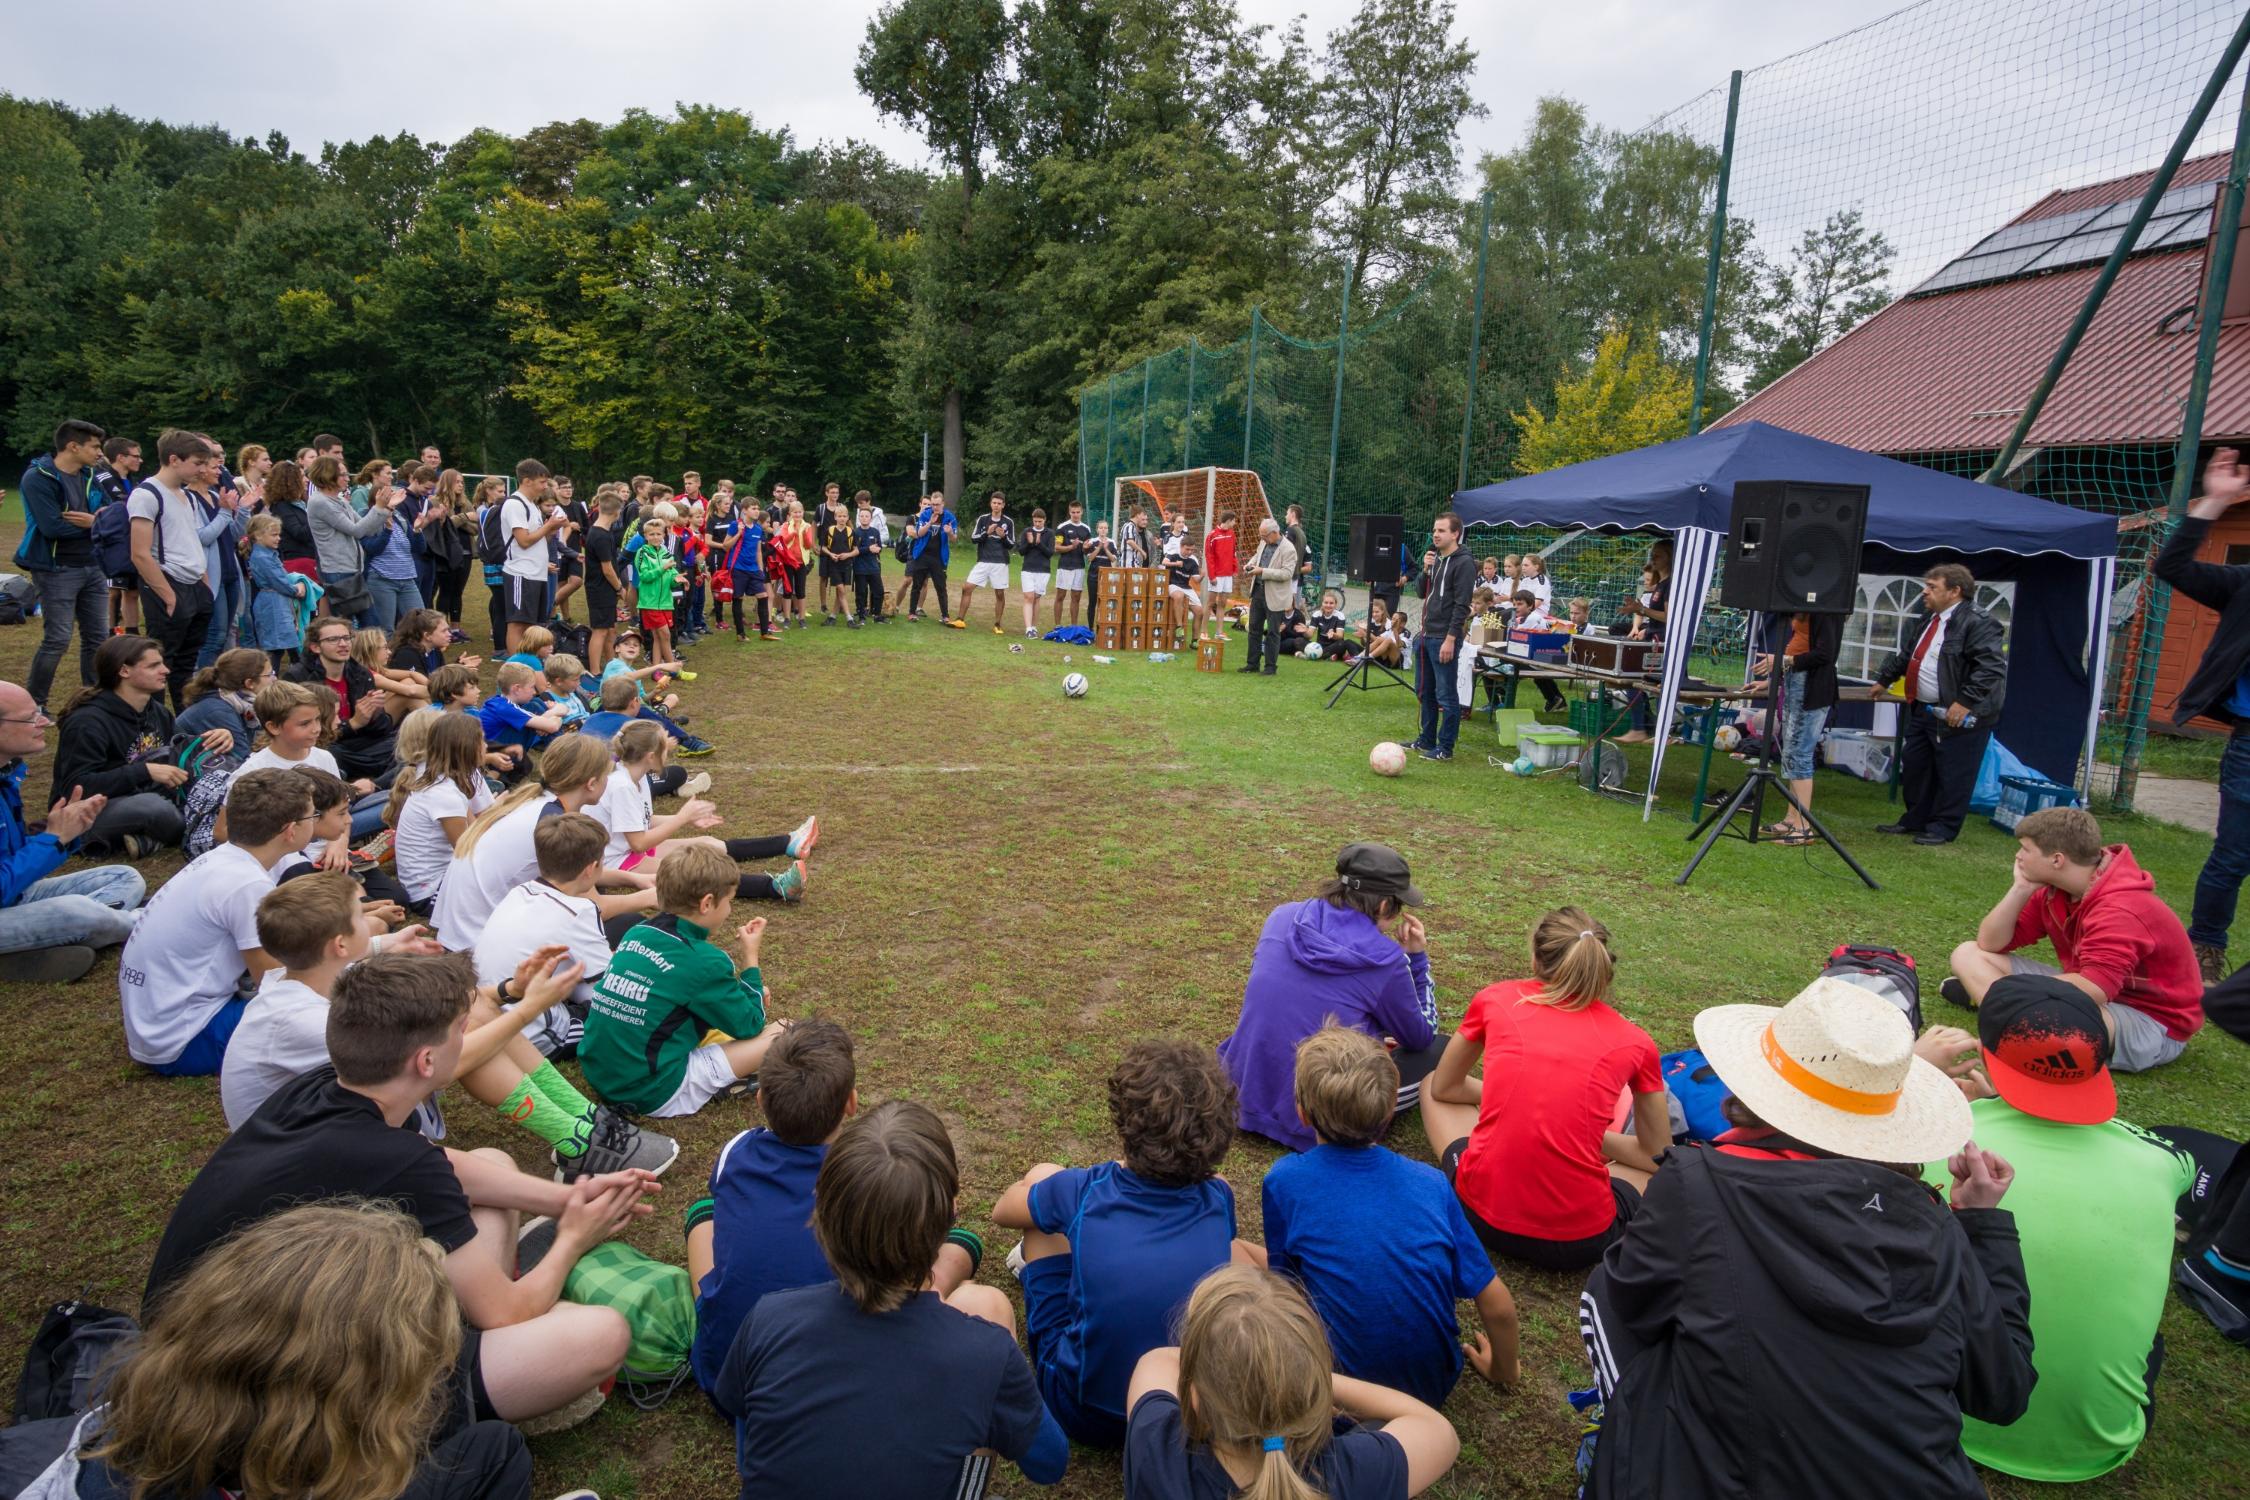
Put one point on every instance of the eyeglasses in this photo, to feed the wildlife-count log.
(36, 718)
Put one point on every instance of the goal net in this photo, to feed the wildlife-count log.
(1202, 498)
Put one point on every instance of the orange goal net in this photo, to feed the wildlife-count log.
(1203, 499)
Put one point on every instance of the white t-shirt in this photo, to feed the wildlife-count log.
(536, 916)
(1543, 586)
(524, 562)
(184, 959)
(624, 808)
(264, 759)
(177, 522)
(419, 845)
(503, 859)
(284, 1032)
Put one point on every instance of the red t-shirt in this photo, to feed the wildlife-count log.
(342, 688)
(1218, 553)
(1534, 1163)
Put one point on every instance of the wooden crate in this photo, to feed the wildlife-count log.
(1211, 654)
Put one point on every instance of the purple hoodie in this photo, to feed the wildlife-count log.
(1314, 961)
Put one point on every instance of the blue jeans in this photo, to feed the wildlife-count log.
(1435, 684)
(201, 1057)
(393, 597)
(1800, 729)
(367, 815)
(226, 610)
(2221, 880)
(68, 596)
(93, 908)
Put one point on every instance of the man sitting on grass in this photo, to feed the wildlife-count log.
(51, 924)
(2114, 938)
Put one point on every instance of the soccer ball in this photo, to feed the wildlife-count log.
(1387, 758)
(1312, 653)
(1522, 765)
(1074, 686)
(1016, 648)
(1727, 738)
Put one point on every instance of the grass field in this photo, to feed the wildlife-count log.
(1011, 886)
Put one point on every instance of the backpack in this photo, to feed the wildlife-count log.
(113, 539)
(658, 1305)
(492, 538)
(69, 1360)
(569, 638)
(1884, 971)
(1694, 1096)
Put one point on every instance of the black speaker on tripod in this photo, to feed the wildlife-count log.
(1793, 547)
(1374, 554)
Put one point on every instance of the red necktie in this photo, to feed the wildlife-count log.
(1921, 649)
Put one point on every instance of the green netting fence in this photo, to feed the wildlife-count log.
(1890, 162)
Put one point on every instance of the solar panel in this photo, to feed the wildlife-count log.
(2182, 217)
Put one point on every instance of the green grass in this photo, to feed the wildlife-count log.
(1011, 886)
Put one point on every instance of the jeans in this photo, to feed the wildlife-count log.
(226, 610)
(393, 597)
(177, 631)
(67, 596)
(695, 622)
(367, 815)
(93, 908)
(2221, 880)
(151, 815)
(1800, 729)
(1434, 685)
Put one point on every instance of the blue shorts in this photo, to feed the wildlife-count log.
(201, 1057)
(1046, 1317)
(748, 583)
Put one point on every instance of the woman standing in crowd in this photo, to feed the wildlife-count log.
(337, 530)
(796, 545)
(252, 466)
(1808, 693)
(450, 540)
(285, 500)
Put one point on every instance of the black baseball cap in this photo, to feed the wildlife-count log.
(2047, 1048)
(1379, 870)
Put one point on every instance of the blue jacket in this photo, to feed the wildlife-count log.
(942, 536)
(25, 859)
(47, 493)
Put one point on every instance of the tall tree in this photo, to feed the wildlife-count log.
(1628, 397)
(1838, 276)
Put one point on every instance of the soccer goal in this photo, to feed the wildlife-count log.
(1201, 497)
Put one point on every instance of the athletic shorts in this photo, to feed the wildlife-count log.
(572, 567)
(1549, 1255)
(601, 602)
(749, 585)
(126, 583)
(527, 600)
(1070, 580)
(1185, 596)
(2142, 1042)
(1221, 585)
(1047, 1303)
(832, 571)
(1035, 585)
(656, 619)
(708, 1075)
(988, 576)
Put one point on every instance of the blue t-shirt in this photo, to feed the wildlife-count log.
(604, 725)
(761, 1238)
(827, 1400)
(1359, 1463)
(750, 553)
(1385, 1253)
(1137, 1249)
(504, 722)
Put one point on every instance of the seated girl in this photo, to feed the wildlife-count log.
(407, 688)
(220, 697)
(433, 801)
(639, 840)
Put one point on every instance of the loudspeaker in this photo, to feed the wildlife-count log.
(1793, 547)
(1375, 545)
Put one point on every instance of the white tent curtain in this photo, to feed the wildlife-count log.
(2101, 584)
(1695, 558)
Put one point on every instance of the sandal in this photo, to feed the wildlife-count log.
(1794, 837)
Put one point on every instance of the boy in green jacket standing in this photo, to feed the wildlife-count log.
(668, 985)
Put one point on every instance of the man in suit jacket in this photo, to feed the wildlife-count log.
(1274, 565)
(1954, 663)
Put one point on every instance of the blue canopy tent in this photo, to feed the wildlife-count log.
(2062, 560)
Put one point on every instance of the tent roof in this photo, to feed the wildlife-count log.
(1690, 482)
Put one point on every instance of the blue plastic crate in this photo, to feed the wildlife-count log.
(2021, 796)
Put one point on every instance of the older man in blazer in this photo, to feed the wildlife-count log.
(1274, 564)
(1954, 664)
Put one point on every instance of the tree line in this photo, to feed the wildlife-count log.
(697, 287)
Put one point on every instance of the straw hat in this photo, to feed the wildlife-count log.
(1835, 1068)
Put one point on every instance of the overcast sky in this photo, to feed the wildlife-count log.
(441, 69)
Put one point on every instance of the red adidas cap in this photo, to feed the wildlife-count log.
(2046, 1049)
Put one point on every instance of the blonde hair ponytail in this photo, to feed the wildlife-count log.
(570, 761)
(1570, 957)
(1256, 1360)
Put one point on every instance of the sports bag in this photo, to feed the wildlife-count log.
(1694, 1096)
(1882, 971)
(113, 539)
(658, 1305)
(69, 1360)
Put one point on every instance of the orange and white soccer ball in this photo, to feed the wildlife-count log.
(1387, 758)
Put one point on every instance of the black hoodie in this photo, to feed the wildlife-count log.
(101, 748)
(1801, 1328)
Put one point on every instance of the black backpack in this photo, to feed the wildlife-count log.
(1882, 971)
(492, 537)
(573, 640)
(70, 1359)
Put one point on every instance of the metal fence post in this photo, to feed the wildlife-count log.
(2150, 649)
(1250, 388)
(1717, 253)
(1335, 427)
(1476, 340)
(1187, 444)
(1109, 435)
(1142, 463)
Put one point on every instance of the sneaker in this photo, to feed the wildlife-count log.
(685, 675)
(1031, 635)
(578, 1495)
(375, 850)
(564, 1418)
(996, 630)
(789, 885)
(957, 624)
(769, 635)
(696, 785)
(2211, 960)
(853, 622)
(1436, 754)
(533, 1240)
(1956, 993)
(616, 1144)
(134, 847)
(457, 636)
(692, 748)
(827, 619)
(806, 835)
(1015, 1261)
(64, 965)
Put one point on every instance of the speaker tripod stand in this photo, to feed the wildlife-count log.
(1360, 674)
(1751, 797)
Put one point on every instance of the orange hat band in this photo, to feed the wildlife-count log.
(1812, 1085)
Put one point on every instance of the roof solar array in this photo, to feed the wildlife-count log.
(2080, 237)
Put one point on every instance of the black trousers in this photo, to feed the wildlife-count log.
(1938, 770)
(867, 595)
(750, 887)
(1265, 631)
(482, 1461)
(178, 631)
(450, 580)
(930, 573)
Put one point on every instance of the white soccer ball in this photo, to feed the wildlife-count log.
(1074, 686)
(1312, 653)
(1387, 758)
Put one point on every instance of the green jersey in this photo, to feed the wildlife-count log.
(667, 984)
(2094, 1207)
(653, 568)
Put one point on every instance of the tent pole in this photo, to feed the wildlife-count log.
(1476, 339)
(1711, 266)
(2150, 649)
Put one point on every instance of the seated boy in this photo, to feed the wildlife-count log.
(2114, 938)
(558, 907)
(559, 691)
(876, 1385)
(667, 985)
(1532, 615)
(182, 973)
(330, 848)
(664, 709)
(454, 688)
(620, 705)
(1379, 1242)
(511, 719)
(1110, 1253)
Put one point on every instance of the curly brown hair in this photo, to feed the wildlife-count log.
(1174, 1108)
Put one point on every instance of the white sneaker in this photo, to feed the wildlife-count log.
(1016, 1261)
(696, 785)
(564, 1417)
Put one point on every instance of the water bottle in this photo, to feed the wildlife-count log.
(1160, 656)
(1107, 661)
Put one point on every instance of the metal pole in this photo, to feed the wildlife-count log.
(1144, 412)
(1718, 250)
(2150, 649)
(1109, 433)
(2157, 184)
(1250, 388)
(1187, 450)
(1335, 429)
(1476, 340)
(925, 475)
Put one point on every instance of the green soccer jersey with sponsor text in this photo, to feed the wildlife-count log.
(666, 985)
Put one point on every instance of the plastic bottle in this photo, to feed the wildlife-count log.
(1107, 661)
